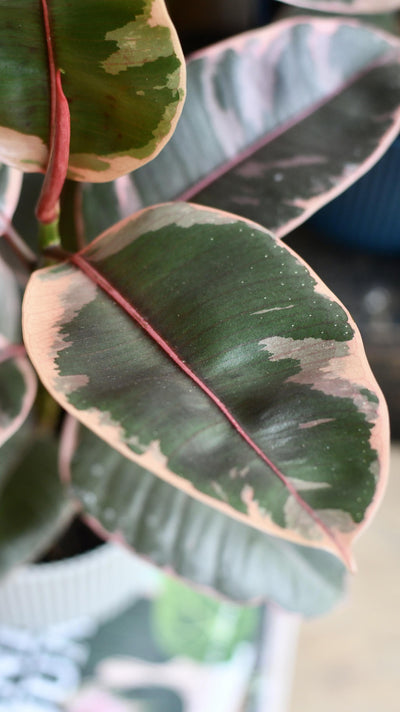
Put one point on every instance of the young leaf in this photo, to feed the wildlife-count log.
(277, 122)
(206, 351)
(352, 6)
(17, 388)
(34, 507)
(168, 527)
(122, 72)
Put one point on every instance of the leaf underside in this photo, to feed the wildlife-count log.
(11, 304)
(10, 188)
(256, 398)
(118, 60)
(198, 543)
(276, 123)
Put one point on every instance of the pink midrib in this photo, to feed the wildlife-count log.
(95, 276)
(59, 138)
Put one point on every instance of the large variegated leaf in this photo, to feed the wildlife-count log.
(276, 123)
(204, 350)
(176, 532)
(17, 388)
(352, 6)
(122, 72)
(34, 507)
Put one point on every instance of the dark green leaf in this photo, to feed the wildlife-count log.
(34, 507)
(122, 72)
(176, 532)
(206, 351)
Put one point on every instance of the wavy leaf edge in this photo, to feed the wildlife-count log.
(334, 540)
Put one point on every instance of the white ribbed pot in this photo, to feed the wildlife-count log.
(95, 585)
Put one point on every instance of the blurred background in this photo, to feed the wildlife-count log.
(349, 660)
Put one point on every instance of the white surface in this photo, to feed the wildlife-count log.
(277, 665)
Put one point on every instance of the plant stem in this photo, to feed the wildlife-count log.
(49, 235)
(47, 209)
(56, 254)
(48, 411)
(18, 245)
(71, 221)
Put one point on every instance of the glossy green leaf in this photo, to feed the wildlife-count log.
(351, 6)
(276, 123)
(122, 72)
(17, 388)
(214, 358)
(34, 507)
(180, 534)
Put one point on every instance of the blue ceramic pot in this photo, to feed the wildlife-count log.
(367, 215)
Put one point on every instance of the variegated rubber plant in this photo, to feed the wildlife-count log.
(204, 399)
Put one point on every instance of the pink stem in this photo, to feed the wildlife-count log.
(60, 133)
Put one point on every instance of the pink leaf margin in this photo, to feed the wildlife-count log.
(18, 355)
